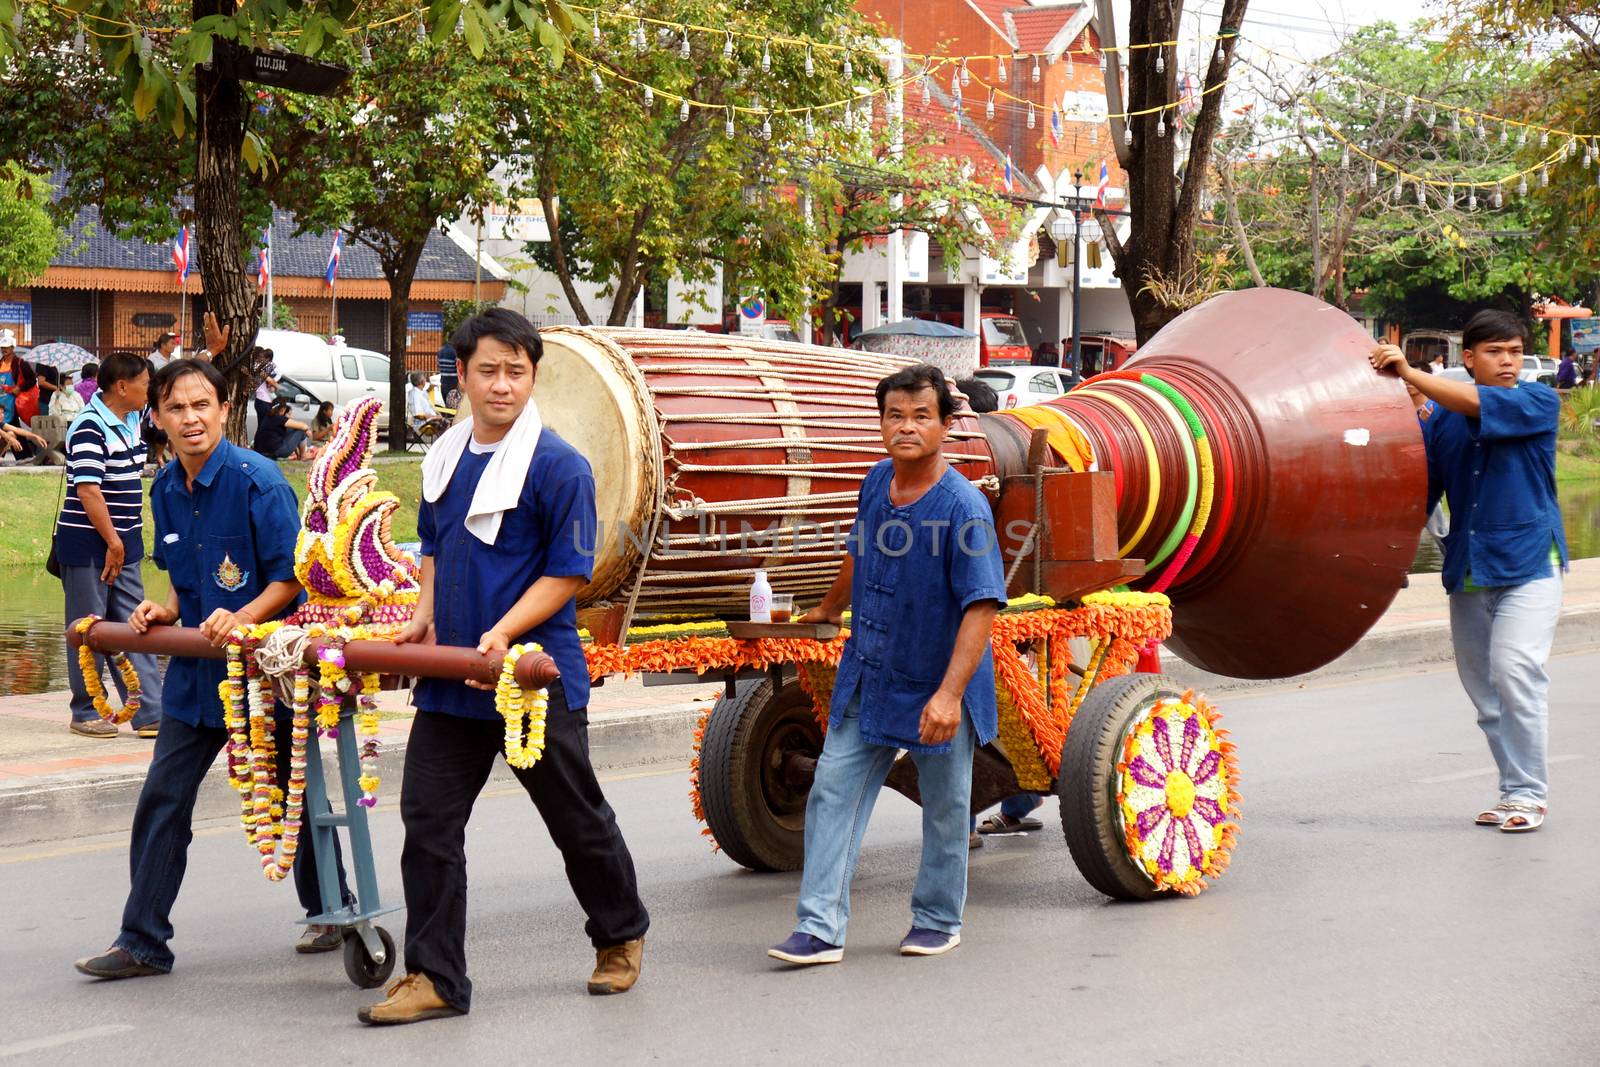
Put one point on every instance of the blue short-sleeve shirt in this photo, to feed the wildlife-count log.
(550, 532)
(917, 570)
(222, 542)
(1498, 471)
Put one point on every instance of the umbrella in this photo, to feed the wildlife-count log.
(916, 328)
(61, 355)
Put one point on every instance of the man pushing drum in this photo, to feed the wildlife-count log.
(924, 581)
(507, 526)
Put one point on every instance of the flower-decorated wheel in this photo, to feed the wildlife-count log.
(1147, 780)
(756, 763)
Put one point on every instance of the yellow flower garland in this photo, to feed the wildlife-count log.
(96, 688)
(513, 703)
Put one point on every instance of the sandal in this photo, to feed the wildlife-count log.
(1522, 819)
(1494, 816)
(1005, 824)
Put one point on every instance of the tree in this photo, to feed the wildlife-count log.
(894, 179)
(410, 142)
(31, 236)
(1158, 263)
(639, 189)
(173, 71)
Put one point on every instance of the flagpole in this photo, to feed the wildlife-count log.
(183, 313)
(333, 308)
(271, 322)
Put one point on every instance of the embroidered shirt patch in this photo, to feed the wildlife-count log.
(229, 576)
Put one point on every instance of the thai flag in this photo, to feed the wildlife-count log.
(333, 258)
(180, 256)
(1055, 125)
(1105, 183)
(1006, 174)
(264, 260)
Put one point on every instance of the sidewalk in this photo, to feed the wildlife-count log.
(45, 769)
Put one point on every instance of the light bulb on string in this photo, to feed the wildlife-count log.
(927, 93)
(1544, 177)
(1478, 129)
(988, 109)
(1544, 138)
(1127, 136)
(1472, 199)
(641, 41)
(966, 75)
(1036, 67)
(1505, 134)
(1383, 105)
(683, 111)
(1344, 157)
(79, 45)
(1372, 176)
(1399, 187)
(766, 127)
(1000, 65)
(144, 45)
(1405, 114)
(1522, 136)
(727, 124)
(1031, 118)
(366, 53)
(594, 78)
(1522, 185)
(1455, 123)
(1497, 199)
(848, 70)
(1161, 125)
(811, 67)
(1422, 195)
(1161, 61)
(727, 45)
(766, 58)
(811, 129)
(1430, 117)
(684, 51)
(649, 98)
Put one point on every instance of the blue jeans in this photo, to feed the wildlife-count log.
(1502, 640)
(849, 776)
(86, 594)
(158, 851)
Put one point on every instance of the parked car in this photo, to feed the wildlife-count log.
(774, 330)
(1001, 340)
(303, 405)
(333, 372)
(1534, 369)
(1021, 386)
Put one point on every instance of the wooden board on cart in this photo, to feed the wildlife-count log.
(752, 631)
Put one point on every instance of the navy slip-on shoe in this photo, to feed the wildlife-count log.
(805, 949)
(920, 942)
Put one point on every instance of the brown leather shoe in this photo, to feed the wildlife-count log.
(616, 968)
(411, 1000)
(98, 729)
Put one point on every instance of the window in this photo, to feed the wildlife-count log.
(375, 368)
(998, 380)
(1045, 383)
(1004, 332)
(348, 369)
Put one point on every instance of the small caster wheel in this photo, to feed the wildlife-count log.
(363, 970)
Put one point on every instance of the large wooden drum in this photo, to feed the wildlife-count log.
(717, 454)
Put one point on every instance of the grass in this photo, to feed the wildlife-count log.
(32, 501)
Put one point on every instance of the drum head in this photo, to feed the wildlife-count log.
(590, 392)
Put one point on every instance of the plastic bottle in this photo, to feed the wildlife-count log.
(760, 598)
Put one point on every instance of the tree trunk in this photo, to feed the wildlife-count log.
(558, 252)
(400, 273)
(230, 290)
(1225, 172)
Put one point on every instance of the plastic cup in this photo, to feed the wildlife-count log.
(782, 607)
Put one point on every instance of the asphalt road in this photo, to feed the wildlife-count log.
(1364, 920)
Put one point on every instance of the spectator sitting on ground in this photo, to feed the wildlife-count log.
(21, 443)
(322, 424)
(278, 436)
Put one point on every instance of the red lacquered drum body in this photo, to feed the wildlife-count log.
(1321, 478)
(725, 453)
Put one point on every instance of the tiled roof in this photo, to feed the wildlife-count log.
(1036, 27)
(994, 12)
(969, 142)
(90, 244)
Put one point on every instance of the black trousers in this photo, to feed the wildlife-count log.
(448, 760)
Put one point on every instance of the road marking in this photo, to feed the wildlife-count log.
(120, 843)
(1480, 772)
(38, 1044)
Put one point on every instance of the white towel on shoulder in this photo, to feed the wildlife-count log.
(501, 485)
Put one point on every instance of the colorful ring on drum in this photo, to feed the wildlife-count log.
(1174, 415)
(1224, 498)
(1152, 463)
(1208, 482)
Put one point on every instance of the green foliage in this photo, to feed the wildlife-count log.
(283, 317)
(29, 236)
(458, 311)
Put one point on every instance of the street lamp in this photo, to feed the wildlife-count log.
(1061, 229)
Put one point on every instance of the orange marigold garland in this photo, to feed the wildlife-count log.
(91, 677)
(1177, 793)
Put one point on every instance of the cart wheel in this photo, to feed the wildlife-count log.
(756, 763)
(1176, 797)
(363, 970)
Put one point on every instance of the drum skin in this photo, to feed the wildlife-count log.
(727, 453)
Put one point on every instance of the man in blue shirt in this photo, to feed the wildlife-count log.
(495, 576)
(1491, 446)
(226, 525)
(100, 532)
(924, 582)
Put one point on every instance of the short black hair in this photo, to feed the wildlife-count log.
(1493, 325)
(90, 371)
(914, 379)
(121, 367)
(169, 376)
(164, 338)
(980, 394)
(505, 326)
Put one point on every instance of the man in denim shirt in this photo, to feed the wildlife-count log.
(1491, 452)
(924, 580)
